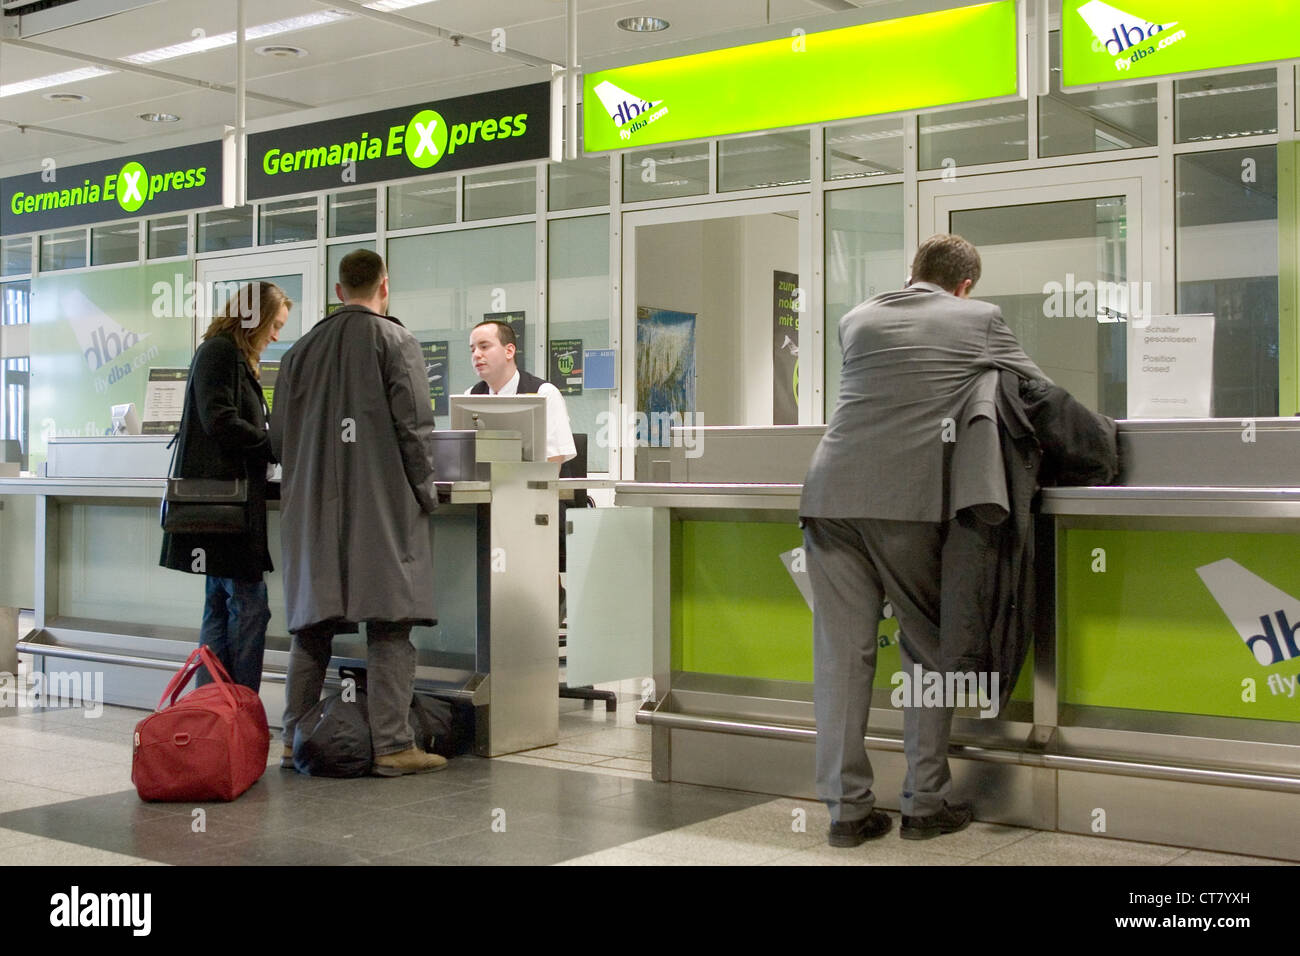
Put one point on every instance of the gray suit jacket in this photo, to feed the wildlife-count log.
(912, 362)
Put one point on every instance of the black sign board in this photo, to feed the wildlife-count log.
(486, 129)
(131, 187)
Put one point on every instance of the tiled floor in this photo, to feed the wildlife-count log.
(66, 799)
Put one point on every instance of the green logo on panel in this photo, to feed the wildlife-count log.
(131, 184)
(426, 138)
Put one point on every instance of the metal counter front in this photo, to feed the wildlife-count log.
(1159, 700)
(102, 602)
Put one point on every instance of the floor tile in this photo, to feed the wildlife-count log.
(1210, 858)
(1069, 849)
(515, 846)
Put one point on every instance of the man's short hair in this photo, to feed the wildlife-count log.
(946, 261)
(360, 273)
(505, 334)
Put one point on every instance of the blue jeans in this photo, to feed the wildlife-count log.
(235, 615)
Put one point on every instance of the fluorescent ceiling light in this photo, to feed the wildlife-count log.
(201, 45)
(54, 79)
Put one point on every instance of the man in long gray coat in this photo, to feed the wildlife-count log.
(353, 427)
(875, 510)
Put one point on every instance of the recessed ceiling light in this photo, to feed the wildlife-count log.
(66, 97)
(160, 117)
(643, 24)
(281, 50)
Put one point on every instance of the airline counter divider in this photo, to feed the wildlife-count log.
(109, 618)
(1164, 670)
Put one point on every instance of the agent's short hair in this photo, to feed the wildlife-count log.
(360, 273)
(946, 261)
(505, 334)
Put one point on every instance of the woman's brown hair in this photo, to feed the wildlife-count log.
(245, 318)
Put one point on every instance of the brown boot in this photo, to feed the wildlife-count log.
(286, 759)
(410, 760)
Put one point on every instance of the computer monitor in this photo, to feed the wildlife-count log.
(525, 414)
(125, 419)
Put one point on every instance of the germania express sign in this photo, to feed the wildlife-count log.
(934, 59)
(1141, 39)
(147, 184)
(486, 129)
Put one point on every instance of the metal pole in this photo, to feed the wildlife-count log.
(241, 77)
(571, 82)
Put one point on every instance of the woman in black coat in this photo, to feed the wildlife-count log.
(223, 435)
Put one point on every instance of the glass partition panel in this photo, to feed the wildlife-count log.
(501, 192)
(169, 237)
(350, 213)
(1027, 250)
(293, 220)
(1094, 121)
(864, 257)
(578, 280)
(115, 244)
(443, 284)
(579, 183)
(16, 256)
(225, 229)
(997, 133)
(665, 172)
(1227, 264)
(1225, 106)
(768, 159)
(865, 148)
(63, 250)
(429, 202)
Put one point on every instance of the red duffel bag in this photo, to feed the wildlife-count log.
(212, 744)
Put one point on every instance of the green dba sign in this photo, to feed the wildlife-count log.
(933, 59)
(190, 177)
(486, 129)
(1140, 39)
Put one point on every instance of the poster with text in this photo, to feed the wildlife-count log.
(164, 401)
(785, 348)
(437, 357)
(566, 366)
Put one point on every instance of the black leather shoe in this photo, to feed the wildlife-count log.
(857, 832)
(953, 817)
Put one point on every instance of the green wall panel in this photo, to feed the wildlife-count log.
(1147, 633)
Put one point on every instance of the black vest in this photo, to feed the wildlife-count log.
(528, 385)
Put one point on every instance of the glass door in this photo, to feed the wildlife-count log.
(293, 270)
(1068, 264)
(717, 307)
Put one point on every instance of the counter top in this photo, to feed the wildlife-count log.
(457, 492)
(1190, 502)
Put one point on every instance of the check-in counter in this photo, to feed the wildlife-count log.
(1159, 702)
(103, 604)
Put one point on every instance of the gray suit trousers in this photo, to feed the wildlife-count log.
(853, 564)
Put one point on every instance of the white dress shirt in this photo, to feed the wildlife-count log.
(559, 436)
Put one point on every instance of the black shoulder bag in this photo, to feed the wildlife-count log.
(203, 505)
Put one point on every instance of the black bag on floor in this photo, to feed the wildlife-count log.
(333, 738)
(431, 722)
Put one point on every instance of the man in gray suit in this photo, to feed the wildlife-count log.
(875, 511)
